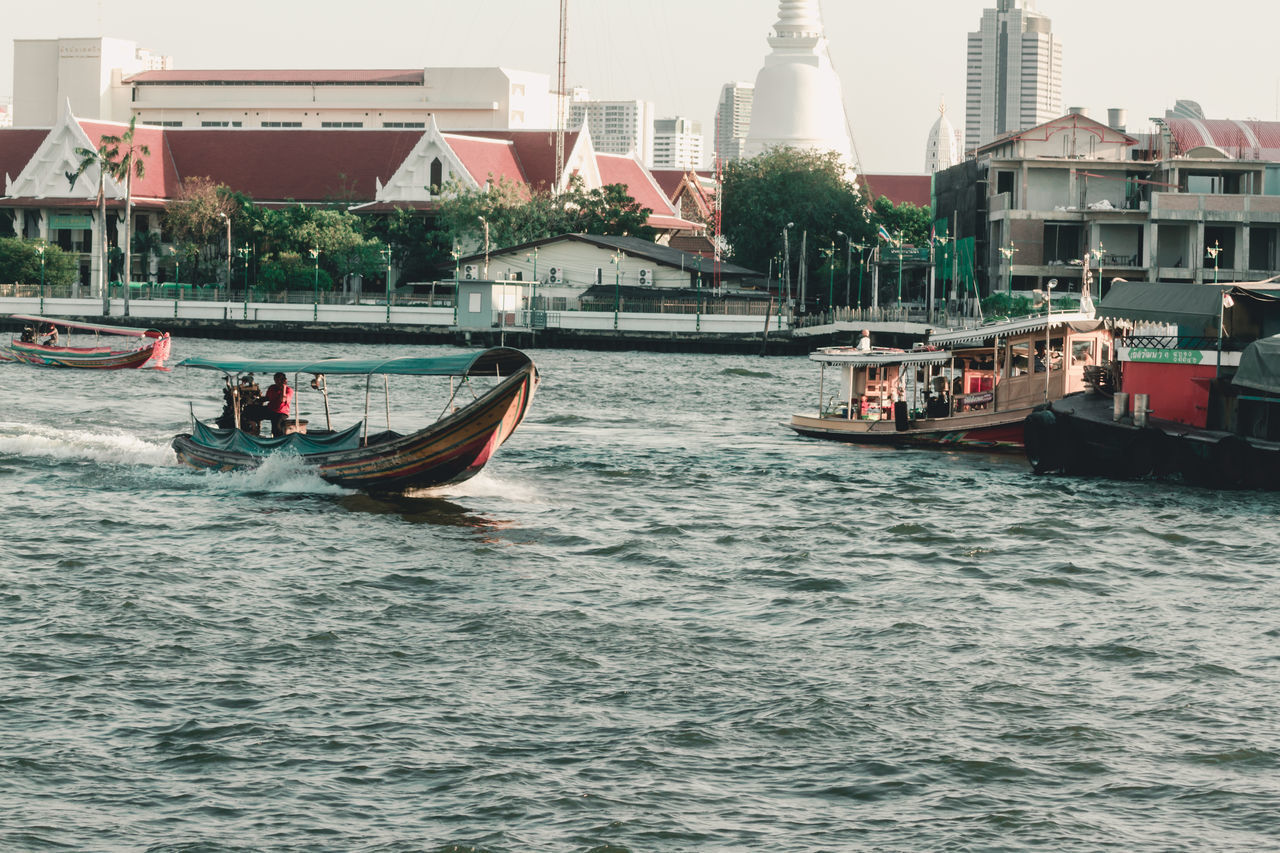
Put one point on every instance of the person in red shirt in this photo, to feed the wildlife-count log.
(277, 405)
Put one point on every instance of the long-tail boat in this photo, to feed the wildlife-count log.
(453, 448)
(130, 347)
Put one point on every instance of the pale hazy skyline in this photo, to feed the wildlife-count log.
(897, 61)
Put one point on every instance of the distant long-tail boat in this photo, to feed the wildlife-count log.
(40, 344)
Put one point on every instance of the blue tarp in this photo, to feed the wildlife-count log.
(239, 441)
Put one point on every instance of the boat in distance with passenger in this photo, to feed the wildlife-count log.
(41, 344)
(969, 388)
(453, 448)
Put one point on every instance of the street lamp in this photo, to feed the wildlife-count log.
(862, 265)
(899, 248)
(1048, 327)
(697, 317)
(786, 257)
(244, 253)
(315, 292)
(40, 252)
(616, 260)
(831, 274)
(533, 297)
(485, 223)
(177, 278)
(1213, 252)
(386, 253)
(227, 219)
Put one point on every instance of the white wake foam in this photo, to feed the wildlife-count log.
(46, 442)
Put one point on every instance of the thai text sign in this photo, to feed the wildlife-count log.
(1166, 356)
(70, 221)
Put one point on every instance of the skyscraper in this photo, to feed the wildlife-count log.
(677, 144)
(1014, 72)
(733, 120)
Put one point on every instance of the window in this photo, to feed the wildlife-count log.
(437, 175)
(342, 124)
(219, 124)
(282, 124)
(416, 125)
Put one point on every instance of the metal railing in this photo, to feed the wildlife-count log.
(1187, 342)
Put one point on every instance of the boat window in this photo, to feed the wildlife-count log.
(1082, 352)
(1055, 353)
(1020, 358)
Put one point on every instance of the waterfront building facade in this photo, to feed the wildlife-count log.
(677, 144)
(1014, 72)
(369, 172)
(733, 121)
(798, 100)
(1197, 201)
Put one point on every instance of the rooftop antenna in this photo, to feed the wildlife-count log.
(560, 90)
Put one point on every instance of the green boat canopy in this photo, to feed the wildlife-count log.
(496, 361)
(1260, 366)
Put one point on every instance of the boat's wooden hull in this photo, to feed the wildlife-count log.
(451, 450)
(91, 358)
(989, 431)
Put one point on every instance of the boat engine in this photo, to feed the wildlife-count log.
(239, 396)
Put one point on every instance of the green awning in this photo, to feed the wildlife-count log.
(1162, 302)
(497, 361)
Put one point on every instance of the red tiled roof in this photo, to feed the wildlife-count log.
(17, 147)
(160, 178)
(616, 169)
(900, 189)
(278, 76)
(298, 165)
(535, 150)
(487, 158)
(669, 179)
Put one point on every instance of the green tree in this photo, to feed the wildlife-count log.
(419, 246)
(99, 158)
(763, 195)
(20, 262)
(198, 218)
(907, 219)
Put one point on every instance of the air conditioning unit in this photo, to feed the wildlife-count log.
(471, 272)
(646, 277)
(553, 275)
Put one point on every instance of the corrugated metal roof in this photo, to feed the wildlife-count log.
(1005, 328)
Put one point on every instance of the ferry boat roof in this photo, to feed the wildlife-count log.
(1015, 326)
(879, 358)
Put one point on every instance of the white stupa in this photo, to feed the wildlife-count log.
(946, 145)
(798, 99)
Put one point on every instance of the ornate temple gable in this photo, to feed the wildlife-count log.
(413, 180)
(581, 160)
(46, 175)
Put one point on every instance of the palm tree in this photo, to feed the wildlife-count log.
(124, 160)
(90, 157)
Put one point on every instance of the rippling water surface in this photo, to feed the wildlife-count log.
(659, 621)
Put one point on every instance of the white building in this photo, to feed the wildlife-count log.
(89, 72)
(733, 120)
(677, 144)
(1014, 73)
(798, 100)
(113, 80)
(945, 147)
(617, 127)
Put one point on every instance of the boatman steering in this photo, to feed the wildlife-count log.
(276, 406)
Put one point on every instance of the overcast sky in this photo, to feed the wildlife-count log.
(898, 60)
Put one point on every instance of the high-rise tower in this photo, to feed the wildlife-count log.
(798, 100)
(1014, 72)
(733, 120)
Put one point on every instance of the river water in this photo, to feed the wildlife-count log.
(659, 621)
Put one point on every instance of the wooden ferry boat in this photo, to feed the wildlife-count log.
(452, 449)
(964, 389)
(151, 345)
